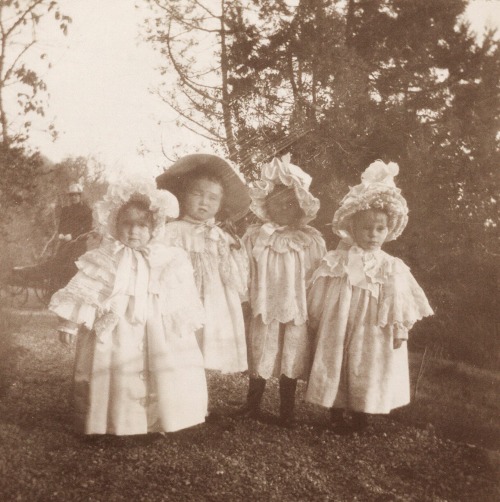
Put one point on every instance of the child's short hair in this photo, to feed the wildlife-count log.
(202, 173)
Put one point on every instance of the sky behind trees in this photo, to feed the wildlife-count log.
(100, 83)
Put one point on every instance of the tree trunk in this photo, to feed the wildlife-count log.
(226, 105)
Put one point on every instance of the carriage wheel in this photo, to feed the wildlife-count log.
(18, 295)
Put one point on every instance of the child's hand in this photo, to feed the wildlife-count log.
(66, 338)
(397, 343)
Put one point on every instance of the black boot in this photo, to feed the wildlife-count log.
(287, 401)
(251, 408)
(337, 417)
(338, 422)
(359, 421)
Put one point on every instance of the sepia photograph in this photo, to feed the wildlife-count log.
(250, 250)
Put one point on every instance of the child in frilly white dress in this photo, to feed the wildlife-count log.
(284, 252)
(134, 307)
(209, 189)
(362, 303)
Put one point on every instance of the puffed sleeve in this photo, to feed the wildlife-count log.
(79, 300)
(403, 301)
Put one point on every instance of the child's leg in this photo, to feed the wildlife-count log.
(337, 417)
(251, 408)
(288, 387)
(359, 420)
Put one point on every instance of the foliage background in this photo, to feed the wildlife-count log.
(341, 84)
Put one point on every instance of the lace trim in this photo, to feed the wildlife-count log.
(105, 324)
(282, 295)
(401, 301)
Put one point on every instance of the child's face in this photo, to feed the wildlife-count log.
(370, 229)
(202, 200)
(283, 207)
(134, 227)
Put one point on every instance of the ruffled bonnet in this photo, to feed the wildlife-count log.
(282, 172)
(376, 191)
(162, 204)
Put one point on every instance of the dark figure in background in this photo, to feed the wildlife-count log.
(75, 221)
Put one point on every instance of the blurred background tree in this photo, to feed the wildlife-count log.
(29, 222)
(341, 84)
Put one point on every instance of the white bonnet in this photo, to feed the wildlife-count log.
(162, 204)
(282, 172)
(377, 190)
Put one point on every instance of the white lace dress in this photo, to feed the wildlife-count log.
(359, 302)
(221, 274)
(282, 261)
(138, 366)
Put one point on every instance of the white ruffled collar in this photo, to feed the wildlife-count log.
(365, 269)
(281, 238)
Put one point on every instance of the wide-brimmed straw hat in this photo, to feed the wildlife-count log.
(236, 199)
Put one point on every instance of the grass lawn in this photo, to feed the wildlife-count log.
(443, 447)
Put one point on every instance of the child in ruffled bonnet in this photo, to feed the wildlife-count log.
(206, 186)
(135, 309)
(362, 303)
(284, 251)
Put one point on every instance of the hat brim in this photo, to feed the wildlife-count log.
(236, 195)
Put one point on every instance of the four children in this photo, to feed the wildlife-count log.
(138, 307)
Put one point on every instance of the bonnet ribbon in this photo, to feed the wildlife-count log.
(131, 261)
(357, 263)
(209, 227)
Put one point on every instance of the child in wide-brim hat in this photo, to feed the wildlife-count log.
(135, 310)
(362, 303)
(284, 251)
(209, 189)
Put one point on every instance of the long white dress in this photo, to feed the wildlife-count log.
(282, 262)
(359, 302)
(138, 366)
(221, 274)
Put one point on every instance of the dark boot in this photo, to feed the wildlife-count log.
(251, 408)
(338, 422)
(359, 421)
(288, 387)
(337, 417)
